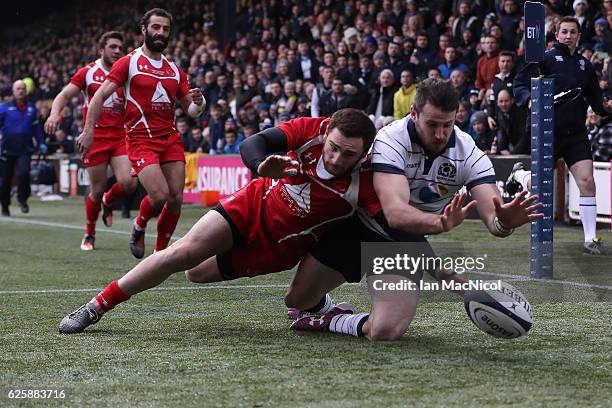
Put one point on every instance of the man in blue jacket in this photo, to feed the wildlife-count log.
(570, 71)
(19, 126)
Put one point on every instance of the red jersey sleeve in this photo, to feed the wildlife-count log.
(120, 70)
(78, 79)
(368, 200)
(183, 84)
(301, 130)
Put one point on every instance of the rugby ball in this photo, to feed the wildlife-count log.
(503, 312)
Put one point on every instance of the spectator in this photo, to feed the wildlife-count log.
(424, 56)
(460, 84)
(465, 20)
(217, 128)
(381, 99)
(321, 89)
(487, 65)
(231, 143)
(503, 80)
(511, 121)
(197, 142)
(182, 126)
(462, 118)
(586, 24)
(451, 63)
(335, 100)
(480, 131)
(475, 103)
(509, 18)
(403, 98)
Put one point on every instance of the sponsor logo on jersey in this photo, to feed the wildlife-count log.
(559, 58)
(582, 65)
(160, 99)
(299, 195)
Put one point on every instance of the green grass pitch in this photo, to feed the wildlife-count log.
(186, 345)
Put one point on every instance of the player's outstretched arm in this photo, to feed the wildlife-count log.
(93, 113)
(501, 219)
(393, 191)
(61, 100)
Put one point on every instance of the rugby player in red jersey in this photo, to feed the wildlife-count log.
(151, 84)
(269, 225)
(108, 146)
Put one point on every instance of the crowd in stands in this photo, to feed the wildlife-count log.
(293, 58)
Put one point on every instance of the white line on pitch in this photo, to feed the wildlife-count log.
(157, 289)
(69, 226)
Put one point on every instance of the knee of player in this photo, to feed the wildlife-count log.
(586, 182)
(129, 185)
(96, 196)
(157, 198)
(387, 332)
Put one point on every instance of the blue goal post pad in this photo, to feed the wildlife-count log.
(535, 36)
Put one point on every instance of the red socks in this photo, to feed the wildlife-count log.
(92, 209)
(165, 227)
(145, 213)
(109, 297)
(115, 193)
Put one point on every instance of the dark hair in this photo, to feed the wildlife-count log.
(506, 53)
(568, 19)
(353, 123)
(160, 12)
(438, 93)
(107, 36)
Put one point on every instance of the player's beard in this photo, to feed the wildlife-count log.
(151, 44)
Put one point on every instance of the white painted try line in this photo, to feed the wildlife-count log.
(284, 286)
(157, 289)
(72, 227)
(68, 226)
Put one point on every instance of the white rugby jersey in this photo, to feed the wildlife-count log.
(433, 180)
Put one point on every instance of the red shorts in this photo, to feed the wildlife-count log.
(143, 152)
(254, 252)
(103, 149)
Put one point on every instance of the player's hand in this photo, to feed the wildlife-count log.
(52, 124)
(84, 141)
(518, 211)
(455, 212)
(277, 167)
(196, 96)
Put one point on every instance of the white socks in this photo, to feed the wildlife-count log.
(349, 324)
(588, 216)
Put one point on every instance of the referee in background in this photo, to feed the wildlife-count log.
(570, 71)
(19, 126)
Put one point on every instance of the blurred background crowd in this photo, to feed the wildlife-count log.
(289, 58)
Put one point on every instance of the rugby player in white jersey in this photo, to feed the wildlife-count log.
(420, 164)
